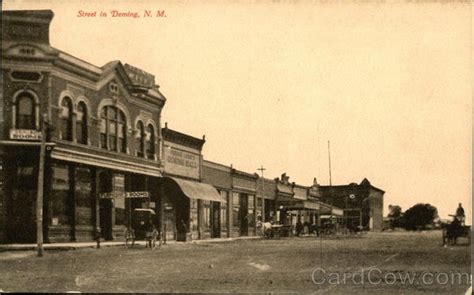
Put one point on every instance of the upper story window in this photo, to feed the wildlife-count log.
(114, 88)
(81, 123)
(140, 139)
(25, 112)
(66, 118)
(113, 129)
(150, 142)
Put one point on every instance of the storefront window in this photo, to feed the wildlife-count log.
(83, 196)
(193, 222)
(59, 195)
(207, 214)
(236, 210)
(224, 197)
(251, 211)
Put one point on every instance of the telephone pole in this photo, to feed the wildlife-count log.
(261, 169)
(330, 178)
(39, 196)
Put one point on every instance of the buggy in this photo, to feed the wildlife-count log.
(142, 227)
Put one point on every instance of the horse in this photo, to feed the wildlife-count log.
(452, 231)
(267, 229)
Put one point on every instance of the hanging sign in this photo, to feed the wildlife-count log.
(127, 195)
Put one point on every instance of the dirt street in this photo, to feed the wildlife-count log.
(374, 262)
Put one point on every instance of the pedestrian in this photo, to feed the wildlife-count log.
(299, 227)
(460, 214)
(97, 236)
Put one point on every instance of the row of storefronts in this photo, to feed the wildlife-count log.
(108, 156)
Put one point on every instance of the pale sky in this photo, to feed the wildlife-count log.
(270, 83)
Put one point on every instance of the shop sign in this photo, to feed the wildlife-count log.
(25, 134)
(182, 163)
(133, 195)
(127, 195)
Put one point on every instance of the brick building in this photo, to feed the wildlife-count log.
(102, 131)
(362, 203)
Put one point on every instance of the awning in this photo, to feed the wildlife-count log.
(296, 204)
(24, 143)
(197, 190)
(104, 161)
(331, 210)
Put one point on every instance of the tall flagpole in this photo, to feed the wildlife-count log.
(329, 155)
(261, 169)
(330, 177)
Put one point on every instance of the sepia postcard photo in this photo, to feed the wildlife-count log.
(284, 146)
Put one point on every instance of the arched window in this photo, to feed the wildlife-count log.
(150, 142)
(140, 139)
(66, 118)
(103, 128)
(25, 112)
(122, 132)
(113, 129)
(81, 123)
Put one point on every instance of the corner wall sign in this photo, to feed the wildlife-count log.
(25, 134)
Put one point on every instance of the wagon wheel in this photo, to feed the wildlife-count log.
(444, 236)
(129, 238)
(469, 236)
(155, 237)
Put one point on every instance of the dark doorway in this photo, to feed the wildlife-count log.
(269, 210)
(22, 216)
(244, 221)
(105, 212)
(105, 205)
(215, 220)
(21, 182)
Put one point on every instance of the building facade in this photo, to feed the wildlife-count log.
(191, 208)
(106, 155)
(102, 132)
(219, 176)
(362, 203)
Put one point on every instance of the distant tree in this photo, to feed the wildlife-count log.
(419, 216)
(395, 214)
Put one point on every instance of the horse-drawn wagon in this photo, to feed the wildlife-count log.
(454, 230)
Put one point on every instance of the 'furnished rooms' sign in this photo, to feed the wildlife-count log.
(25, 134)
(182, 163)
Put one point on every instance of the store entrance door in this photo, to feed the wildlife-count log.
(21, 182)
(244, 221)
(215, 220)
(105, 212)
(105, 205)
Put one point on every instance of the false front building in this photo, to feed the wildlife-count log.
(102, 132)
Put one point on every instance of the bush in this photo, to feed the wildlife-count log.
(419, 217)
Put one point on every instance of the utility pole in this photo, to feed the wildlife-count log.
(39, 196)
(330, 177)
(261, 169)
(329, 155)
